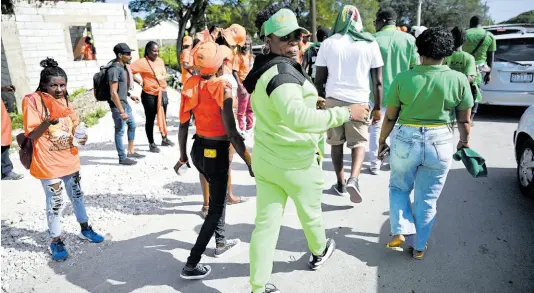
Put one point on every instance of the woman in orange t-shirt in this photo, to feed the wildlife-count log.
(154, 94)
(50, 122)
(209, 98)
(89, 50)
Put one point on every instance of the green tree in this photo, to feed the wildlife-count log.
(189, 15)
(327, 11)
(139, 23)
(525, 17)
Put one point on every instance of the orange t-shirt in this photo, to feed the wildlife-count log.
(228, 65)
(150, 83)
(54, 155)
(242, 64)
(88, 52)
(205, 100)
(185, 58)
(6, 127)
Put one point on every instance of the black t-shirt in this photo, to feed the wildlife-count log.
(117, 73)
(309, 60)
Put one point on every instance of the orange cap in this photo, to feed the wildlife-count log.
(187, 41)
(235, 35)
(208, 57)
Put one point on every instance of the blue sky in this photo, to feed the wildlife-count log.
(500, 10)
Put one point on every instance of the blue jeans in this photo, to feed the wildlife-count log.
(120, 127)
(420, 161)
(55, 190)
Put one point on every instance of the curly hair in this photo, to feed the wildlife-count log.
(459, 37)
(436, 43)
(51, 69)
(264, 14)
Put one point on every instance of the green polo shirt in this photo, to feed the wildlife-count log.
(398, 52)
(465, 63)
(473, 36)
(429, 94)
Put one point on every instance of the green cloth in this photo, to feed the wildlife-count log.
(349, 22)
(429, 94)
(398, 52)
(288, 125)
(473, 37)
(473, 162)
(465, 63)
(282, 23)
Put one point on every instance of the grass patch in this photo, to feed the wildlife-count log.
(91, 118)
(167, 53)
(16, 121)
(76, 93)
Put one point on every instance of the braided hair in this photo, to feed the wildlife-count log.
(51, 70)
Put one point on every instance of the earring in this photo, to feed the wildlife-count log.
(266, 50)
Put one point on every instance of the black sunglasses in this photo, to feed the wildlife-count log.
(293, 36)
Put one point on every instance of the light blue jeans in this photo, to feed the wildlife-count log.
(120, 128)
(420, 160)
(55, 190)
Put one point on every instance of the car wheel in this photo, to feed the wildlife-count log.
(525, 168)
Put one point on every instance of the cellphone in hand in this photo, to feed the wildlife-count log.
(384, 153)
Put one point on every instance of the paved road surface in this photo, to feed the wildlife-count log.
(482, 240)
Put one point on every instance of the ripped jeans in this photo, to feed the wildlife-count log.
(55, 190)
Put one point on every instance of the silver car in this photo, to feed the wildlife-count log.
(512, 75)
(524, 152)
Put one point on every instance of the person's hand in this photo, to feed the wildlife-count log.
(8, 88)
(359, 112)
(462, 145)
(83, 140)
(180, 163)
(124, 116)
(321, 103)
(242, 92)
(487, 78)
(381, 147)
(376, 116)
(135, 99)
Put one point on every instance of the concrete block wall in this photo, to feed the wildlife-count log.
(43, 31)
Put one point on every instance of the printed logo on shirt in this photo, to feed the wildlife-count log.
(208, 153)
(60, 135)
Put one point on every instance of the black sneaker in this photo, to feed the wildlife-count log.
(316, 262)
(270, 288)
(153, 148)
(135, 156)
(127, 162)
(353, 188)
(340, 189)
(167, 142)
(196, 273)
(230, 244)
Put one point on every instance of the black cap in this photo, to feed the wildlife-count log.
(122, 48)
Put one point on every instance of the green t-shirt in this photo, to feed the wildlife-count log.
(398, 52)
(429, 94)
(465, 63)
(474, 35)
(288, 127)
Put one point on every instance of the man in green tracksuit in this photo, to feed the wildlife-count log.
(285, 159)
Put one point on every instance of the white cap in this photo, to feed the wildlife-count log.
(418, 30)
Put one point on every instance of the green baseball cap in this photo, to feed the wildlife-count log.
(282, 23)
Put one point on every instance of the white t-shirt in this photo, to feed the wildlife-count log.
(349, 64)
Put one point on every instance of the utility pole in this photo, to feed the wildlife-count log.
(313, 20)
(419, 12)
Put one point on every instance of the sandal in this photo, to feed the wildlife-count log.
(204, 211)
(419, 254)
(241, 200)
(396, 242)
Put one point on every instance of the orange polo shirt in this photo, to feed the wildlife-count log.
(242, 64)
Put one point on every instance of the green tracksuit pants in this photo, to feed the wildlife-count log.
(274, 186)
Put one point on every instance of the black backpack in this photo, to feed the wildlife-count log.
(101, 84)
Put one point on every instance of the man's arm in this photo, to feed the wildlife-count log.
(183, 131)
(376, 76)
(321, 74)
(489, 60)
(114, 86)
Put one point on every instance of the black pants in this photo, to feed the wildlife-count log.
(150, 103)
(211, 158)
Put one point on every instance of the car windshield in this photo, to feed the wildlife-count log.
(521, 49)
(497, 32)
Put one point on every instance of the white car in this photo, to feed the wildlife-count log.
(512, 76)
(524, 152)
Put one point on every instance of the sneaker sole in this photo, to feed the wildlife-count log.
(339, 193)
(81, 236)
(229, 250)
(195, 277)
(327, 256)
(355, 195)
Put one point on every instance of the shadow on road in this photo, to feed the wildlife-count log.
(491, 113)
